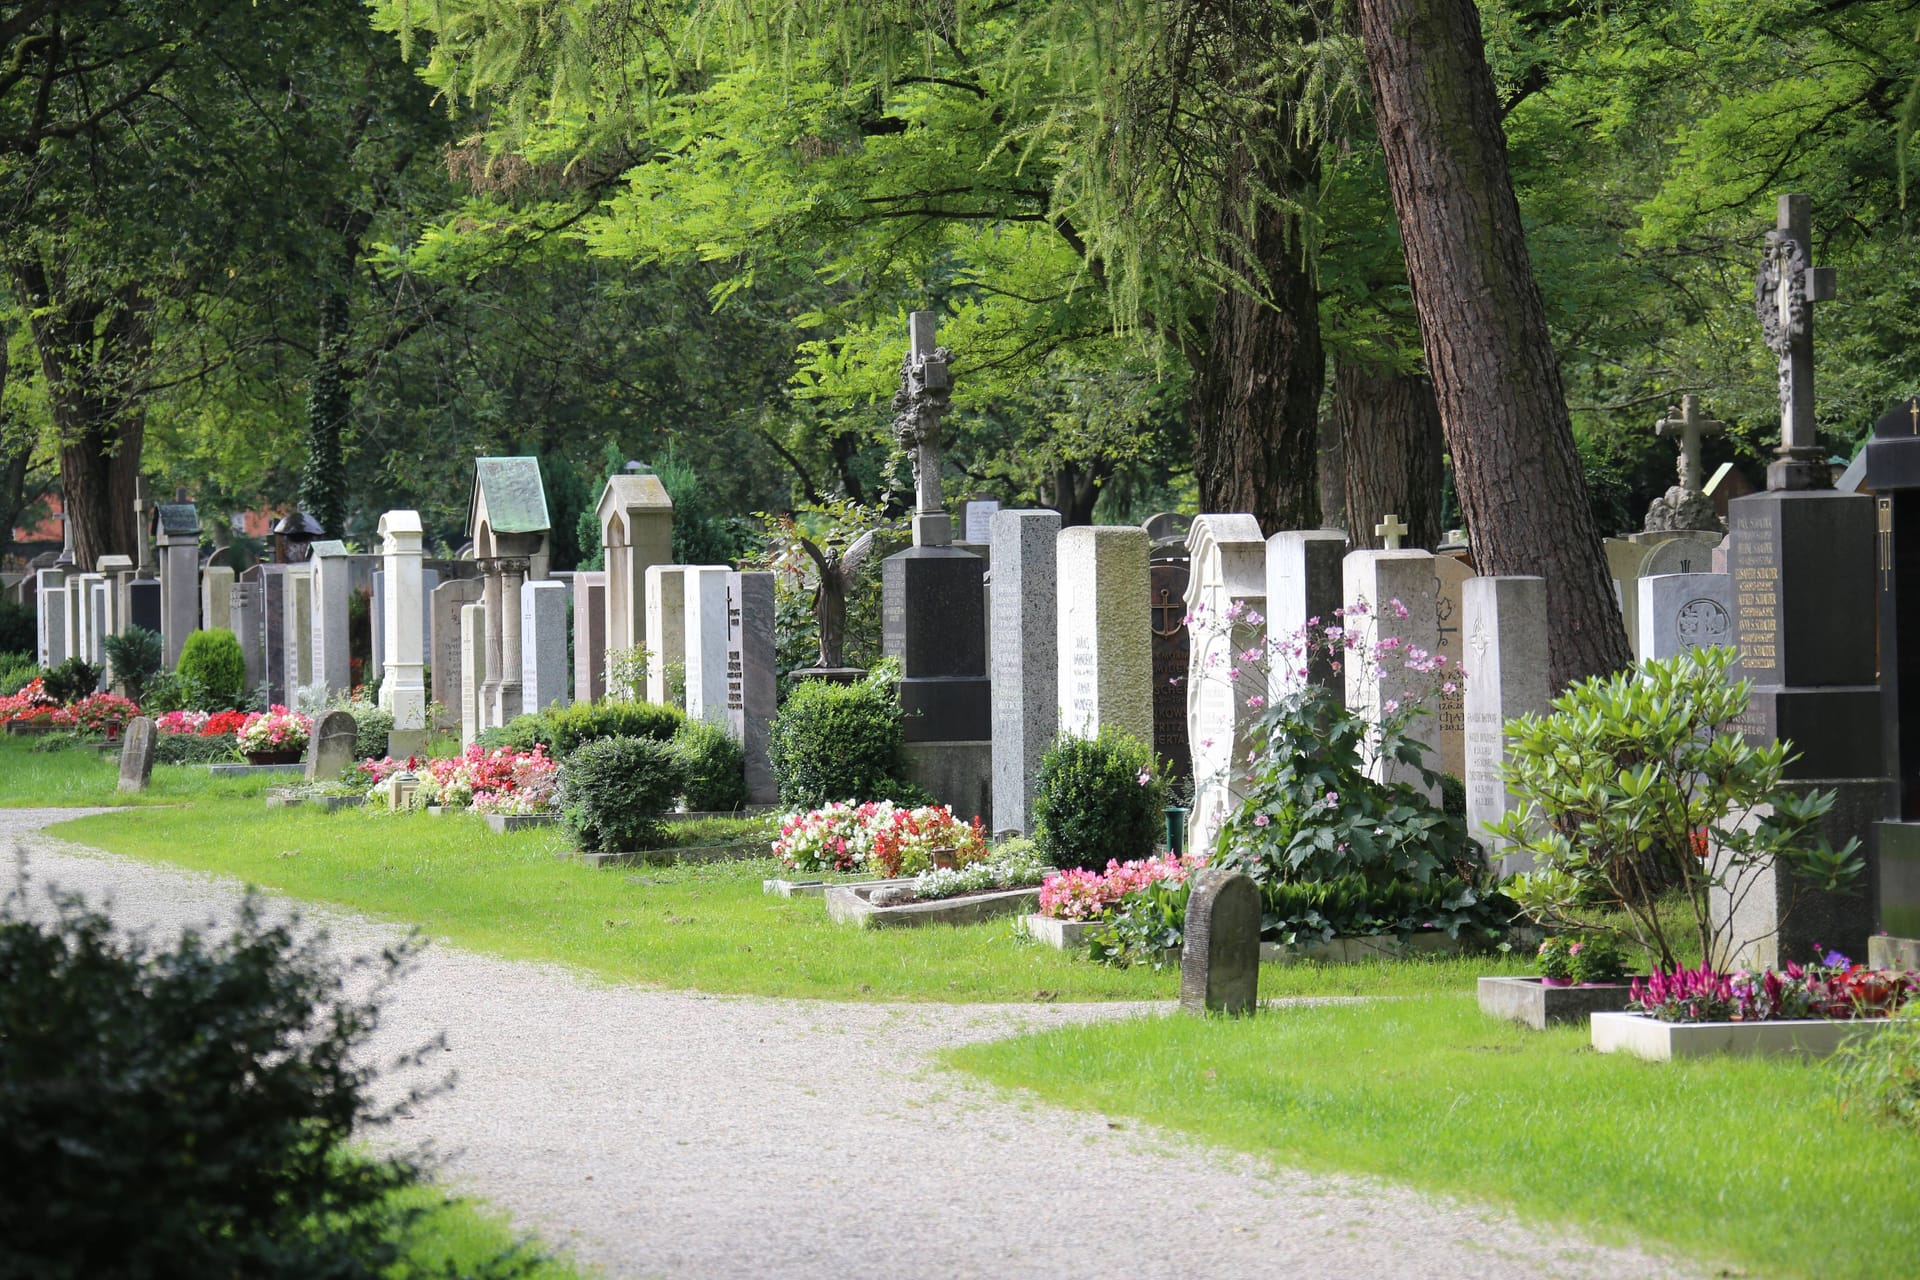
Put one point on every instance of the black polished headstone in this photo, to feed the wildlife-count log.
(933, 620)
(143, 603)
(1893, 475)
(1167, 605)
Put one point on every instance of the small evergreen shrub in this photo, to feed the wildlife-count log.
(72, 680)
(713, 767)
(613, 791)
(212, 659)
(1097, 799)
(565, 729)
(837, 742)
(136, 657)
(192, 1109)
(17, 671)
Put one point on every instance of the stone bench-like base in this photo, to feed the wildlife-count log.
(225, 770)
(1535, 1004)
(814, 888)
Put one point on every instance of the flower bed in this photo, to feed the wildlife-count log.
(32, 705)
(1089, 895)
(878, 836)
(35, 710)
(181, 722)
(501, 783)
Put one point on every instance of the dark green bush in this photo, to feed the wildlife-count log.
(563, 729)
(213, 660)
(613, 791)
(171, 691)
(19, 628)
(840, 742)
(192, 1110)
(1090, 802)
(713, 767)
(191, 748)
(72, 680)
(17, 671)
(136, 656)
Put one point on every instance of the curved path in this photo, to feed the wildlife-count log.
(661, 1133)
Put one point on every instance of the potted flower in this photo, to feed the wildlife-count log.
(274, 736)
(1578, 977)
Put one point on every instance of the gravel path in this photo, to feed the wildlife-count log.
(664, 1133)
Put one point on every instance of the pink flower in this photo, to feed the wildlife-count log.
(1260, 819)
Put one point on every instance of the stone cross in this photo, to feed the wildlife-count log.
(1784, 292)
(142, 521)
(1390, 530)
(926, 389)
(1685, 423)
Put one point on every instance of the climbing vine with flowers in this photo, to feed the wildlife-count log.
(1330, 794)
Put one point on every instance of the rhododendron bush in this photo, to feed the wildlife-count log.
(32, 705)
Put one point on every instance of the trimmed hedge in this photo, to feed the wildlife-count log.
(565, 729)
(613, 791)
(840, 742)
(1090, 805)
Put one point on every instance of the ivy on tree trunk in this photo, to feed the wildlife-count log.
(323, 483)
(1482, 323)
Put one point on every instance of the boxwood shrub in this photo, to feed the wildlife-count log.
(840, 742)
(213, 660)
(713, 767)
(1090, 803)
(563, 729)
(613, 791)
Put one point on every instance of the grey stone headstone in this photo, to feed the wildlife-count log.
(590, 636)
(1303, 588)
(544, 677)
(752, 682)
(332, 588)
(706, 644)
(1025, 658)
(52, 590)
(446, 660)
(331, 747)
(1689, 553)
(1220, 961)
(1505, 656)
(244, 613)
(472, 641)
(1378, 578)
(136, 754)
(1105, 641)
(1228, 573)
(1681, 612)
(216, 598)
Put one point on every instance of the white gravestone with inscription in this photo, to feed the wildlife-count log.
(1226, 611)
(1504, 630)
(1379, 587)
(705, 600)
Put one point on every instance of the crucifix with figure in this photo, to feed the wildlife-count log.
(926, 393)
(1783, 296)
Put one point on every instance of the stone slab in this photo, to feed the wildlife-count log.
(848, 904)
(501, 823)
(1531, 1002)
(237, 770)
(1644, 1037)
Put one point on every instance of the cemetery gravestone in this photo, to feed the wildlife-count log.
(1688, 553)
(1450, 576)
(1105, 638)
(1026, 711)
(445, 608)
(1167, 581)
(1685, 506)
(1624, 560)
(508, 522)
(216, 598)
(705, 606)
(1893, 473)
(297, 628)
(666, 634)
(332, 586)
(330, 749)
(752, 681)
(1681, 612)
(977, 520)
(1220, 958)
(403, 687)
(473, 666)
(1303, 590)
(543, 646)
(1373, 582)
(244, 614)
(590, 636)
(636, 528)
(136, 754)
(1504, 624)
(50, 585)
(1226, 606)
(179, 546)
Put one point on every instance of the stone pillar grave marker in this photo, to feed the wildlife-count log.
(1105, 638)
(1025, 658)
(1505, 627)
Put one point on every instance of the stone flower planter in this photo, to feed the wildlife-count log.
(849, 904)
(1532, 1002)
(1657, 1041)
(501, 823)
(814, 888)
(1063, 935)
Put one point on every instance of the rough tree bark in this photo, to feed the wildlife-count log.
(1482, 322)
(1391, 448)
(1256, 394)
(93, 352)
(15, 454)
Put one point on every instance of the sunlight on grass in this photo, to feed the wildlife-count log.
(82, 776)
(1738, 1159)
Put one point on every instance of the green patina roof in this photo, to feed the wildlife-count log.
(516, 500)
(179, 518)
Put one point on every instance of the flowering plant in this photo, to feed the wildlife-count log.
(1833, 987)
(223, 723)
(32, 704)
(106, 713)
(181, 722)
(275, 729)
(1088, 895)
(834, 837)
(1580, 960)
(496, 774)
(1015, 865)
(904, 844)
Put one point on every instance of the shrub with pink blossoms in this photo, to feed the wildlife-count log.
(1083, 895)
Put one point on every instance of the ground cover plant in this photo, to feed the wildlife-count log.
(1435, 1094)
(705, 927)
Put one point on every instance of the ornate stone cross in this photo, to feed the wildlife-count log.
(926, 392)
(1692, 430)
(1784, 292)
(1390, 530)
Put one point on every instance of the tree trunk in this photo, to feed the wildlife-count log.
(1390, 436)
(1076, 489)
(323, 482)
(14, 457)
(1482, 323)
(1256, 394)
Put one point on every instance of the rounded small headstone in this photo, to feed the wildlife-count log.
(1220, 960)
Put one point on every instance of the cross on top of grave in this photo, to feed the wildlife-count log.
(926, 392)
(1783, 296)
(1685, 423)
(1390, 530)
(142, 520)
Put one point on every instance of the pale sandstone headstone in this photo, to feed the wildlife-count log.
(1374, 581)
(1105, 648)
(1505, 629)
(1303, 589)
(589, 635)
(1226, 607)
(216, 598)
(666, 638)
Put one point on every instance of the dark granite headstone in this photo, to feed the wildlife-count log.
(933, 619)
(136, 754)
(332, 747)
(1167, 601)
(143, 603)
(1220, 960)
(1893, 474)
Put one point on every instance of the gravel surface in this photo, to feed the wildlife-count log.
(657, 1133)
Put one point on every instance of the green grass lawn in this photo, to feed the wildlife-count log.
(465, 1233)
(80, 776)
(1749, 1162)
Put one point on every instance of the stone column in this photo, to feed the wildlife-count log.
(1505, 624)
(543, 642)
(706, 642)
(490, 668)
(666, 617)
(1025, 657)
(508, 697)
(1303, 589)
(1104, 646)
(1375, 580)
(752, 682)
(403, 688)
